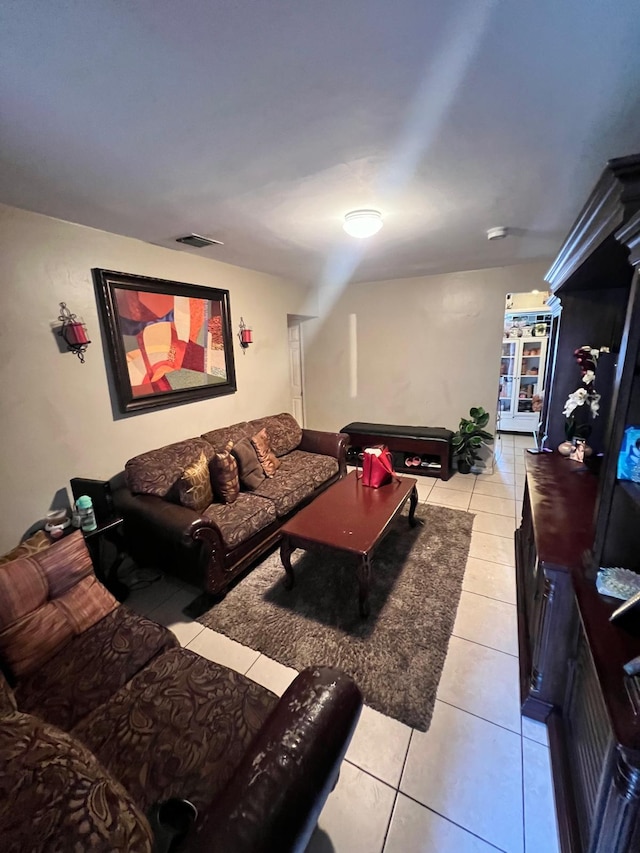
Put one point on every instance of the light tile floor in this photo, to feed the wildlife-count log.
(479, 780)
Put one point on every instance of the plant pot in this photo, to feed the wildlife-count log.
(464, 467)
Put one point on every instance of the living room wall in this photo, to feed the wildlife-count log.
(58, 420)
(418, 351)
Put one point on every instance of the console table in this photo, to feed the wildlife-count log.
(431, 446)
(571, 660)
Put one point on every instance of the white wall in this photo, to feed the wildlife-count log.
(57, 419)
(426, 349)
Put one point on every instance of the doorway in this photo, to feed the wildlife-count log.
(296, 369)
(523, 362)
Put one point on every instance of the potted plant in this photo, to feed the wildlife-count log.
(469, 438)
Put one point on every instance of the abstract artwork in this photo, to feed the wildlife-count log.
(168, 342)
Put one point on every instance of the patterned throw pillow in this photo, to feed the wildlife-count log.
(224, 475)
(249, 467)
(47, 599)
(267, 457)
(194, 486)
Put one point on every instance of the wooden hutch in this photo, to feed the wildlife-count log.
(577, 519)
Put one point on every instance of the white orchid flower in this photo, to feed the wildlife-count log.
(588, 377)
(594, 402)
(578, 398)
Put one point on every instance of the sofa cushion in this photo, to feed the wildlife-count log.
(39, 541)
(54, 795)
(314, 467)
(285, 493)
(92, 667)
(178, 729)
(219, 438)
(45, 600)
(223, 469)
(194, 485)
(249, 468)
(243, 518)
(270, 463)
(284, 431)
(157, 471)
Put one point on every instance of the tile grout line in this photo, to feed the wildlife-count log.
(481, 595)
(484, 645)
(487, 560)
(490, 597)
(479, 717)
(395, 799)
(448, 819)
(391, 816)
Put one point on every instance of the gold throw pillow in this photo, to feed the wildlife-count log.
(194, 486)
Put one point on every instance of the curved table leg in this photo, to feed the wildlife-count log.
(413, 498)
(286, 550)
(364, 579)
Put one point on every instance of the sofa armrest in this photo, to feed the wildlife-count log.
(151, 516)
(154, 514)
(328, 443)
(273, 800)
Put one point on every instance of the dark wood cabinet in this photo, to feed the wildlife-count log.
(576, 520)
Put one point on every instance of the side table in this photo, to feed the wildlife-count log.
(109, 530)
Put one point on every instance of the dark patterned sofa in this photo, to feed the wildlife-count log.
(210, 547)
(103, 715)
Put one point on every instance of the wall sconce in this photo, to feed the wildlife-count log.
(245, 335)
(73, 332)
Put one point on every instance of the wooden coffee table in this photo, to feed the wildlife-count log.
(352, 518)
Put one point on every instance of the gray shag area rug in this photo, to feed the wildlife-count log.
(397, 654)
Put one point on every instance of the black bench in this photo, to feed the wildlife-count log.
(416, 450)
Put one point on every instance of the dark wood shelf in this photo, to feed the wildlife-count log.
(611, 647)
(562, 494)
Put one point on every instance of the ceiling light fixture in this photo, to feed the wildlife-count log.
(363, 223)
(498, 233)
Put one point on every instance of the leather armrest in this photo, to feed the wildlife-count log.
(273, 800)
(155, 515)
(328, 443)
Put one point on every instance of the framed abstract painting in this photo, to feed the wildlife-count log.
(168, 342)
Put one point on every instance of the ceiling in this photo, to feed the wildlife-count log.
(262, 122)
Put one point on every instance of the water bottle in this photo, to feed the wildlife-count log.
(84, 506)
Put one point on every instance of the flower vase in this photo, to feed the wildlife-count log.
(579, 450)
(575, 450)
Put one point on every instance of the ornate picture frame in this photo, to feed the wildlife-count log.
(168, 342)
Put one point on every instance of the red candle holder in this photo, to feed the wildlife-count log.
(73, 332)
(245, 335)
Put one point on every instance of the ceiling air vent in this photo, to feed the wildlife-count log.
(198, 242)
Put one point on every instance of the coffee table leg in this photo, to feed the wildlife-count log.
(286, 550)
(413, 498)
(364, 579)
